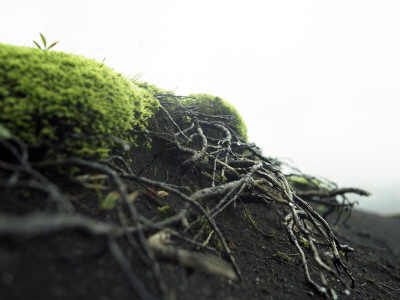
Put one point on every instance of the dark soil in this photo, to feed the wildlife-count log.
(74, 263)
(69, 264)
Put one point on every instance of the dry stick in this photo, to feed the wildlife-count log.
(289, 228)
(161, 225)
(226, 189)
(163, 246)
(220, 190)
(227, 166)
(125, 198)
(124, 174)
(330, 236)
(284, 187)
(332, 193)
(198, 154)
(118, 158)
(198, 206)
(220, 206)
(227, 139)
(214, 170)
(309, 211)
(317, 258)
(185, 130)
(172, 120)
(281, 184)
(39, 224)
(319, 261)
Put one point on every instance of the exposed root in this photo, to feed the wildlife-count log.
(232, 169)
(162, 245)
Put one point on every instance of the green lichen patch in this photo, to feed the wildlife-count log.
(52, 97)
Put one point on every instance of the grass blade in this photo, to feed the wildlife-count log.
(43, 40)
(37, 45)
(52, 45)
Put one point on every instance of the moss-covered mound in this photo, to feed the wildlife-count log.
(213, 105)
(153, 89)
(49, 97)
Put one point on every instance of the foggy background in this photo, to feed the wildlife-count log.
(316, 82)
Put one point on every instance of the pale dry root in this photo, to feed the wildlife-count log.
(233, 168)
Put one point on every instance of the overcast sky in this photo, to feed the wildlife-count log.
(315, 81)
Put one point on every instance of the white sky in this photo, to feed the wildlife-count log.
(315, 81)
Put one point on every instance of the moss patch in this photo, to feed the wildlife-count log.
(303, 183)
(213, 105)
(153, 89)
(48, 97)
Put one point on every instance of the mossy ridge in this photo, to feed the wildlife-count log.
(215, 105)
(206, 103)
(45, 96)
(153, 89)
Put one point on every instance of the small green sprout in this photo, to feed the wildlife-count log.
(110, 201)
(164, 208)
(45, 43)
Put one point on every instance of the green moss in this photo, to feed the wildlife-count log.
(47, 96)
(152, 89)
(305, 184)
(304, 242)
(221, 178)
(250, 217)
(213, 105)
(164, 209)
(281, 256)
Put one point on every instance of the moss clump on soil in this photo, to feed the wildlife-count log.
(48, 97)
(281, 256)
(214, 105)
(303, 183)
(152, 89)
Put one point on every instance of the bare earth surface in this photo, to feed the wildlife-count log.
(153, 223)
(69, 263)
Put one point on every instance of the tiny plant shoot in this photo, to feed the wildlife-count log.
(44, 43)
